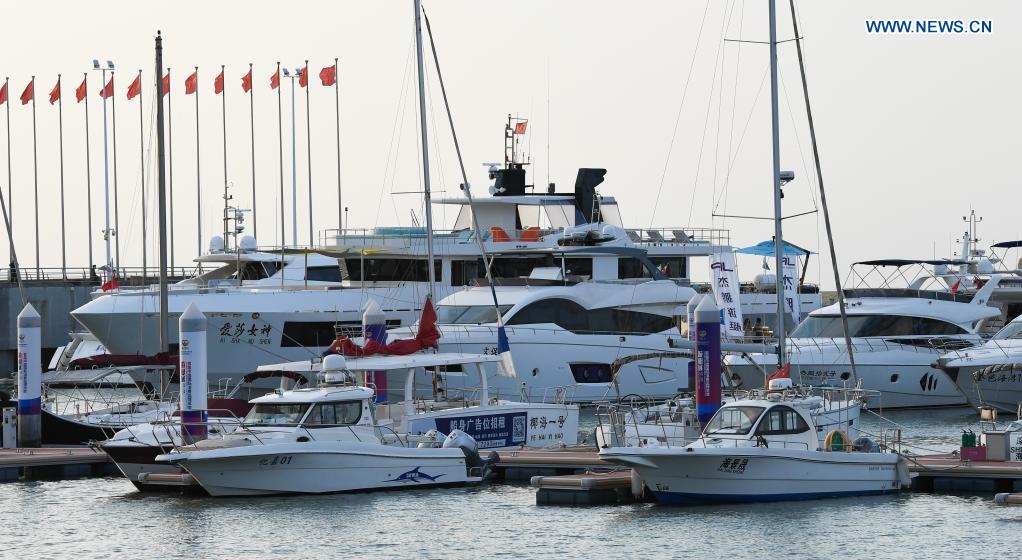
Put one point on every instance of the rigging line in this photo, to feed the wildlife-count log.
(734, 107)
(748, 121)
(398, 115)
(677, 119)
(717, 64)
(716, 134)
(798, 143)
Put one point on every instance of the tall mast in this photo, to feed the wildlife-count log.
(162, 193)
(425, 146)
(778, 238)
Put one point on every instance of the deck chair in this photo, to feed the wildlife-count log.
(654, 236)
(499, 235)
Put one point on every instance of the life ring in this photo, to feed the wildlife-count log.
(837, 440)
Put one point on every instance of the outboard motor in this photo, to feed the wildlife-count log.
(476, 465)
(433, 438)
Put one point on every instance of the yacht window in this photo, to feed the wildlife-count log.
(518, 267)
(628, 267)
(829, 326)
(1011, 330)
(591, 373)
(733, 420)
(677, 267)
(562, 312)
(610, 213)
(465, 273)
(323, 274)
(389, 270)
(560, 216)
(622, 321)
(468, 314)
(782, 420)
(264, 414)
(335, 414)
(530, 215)
(577, 266)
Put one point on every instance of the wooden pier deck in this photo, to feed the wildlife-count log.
(53, 463)
(947, 471)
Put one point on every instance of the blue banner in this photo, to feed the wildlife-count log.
(489, 430)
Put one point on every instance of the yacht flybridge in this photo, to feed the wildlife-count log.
(897, 334)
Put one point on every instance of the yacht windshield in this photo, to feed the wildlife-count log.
(829, 326)
(1011, 330)
(275, 414)
(468, 314)
(733, 420)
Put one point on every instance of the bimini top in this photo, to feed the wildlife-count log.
(386, 363)
(907, 262)
(766, 249)
(1007, 244)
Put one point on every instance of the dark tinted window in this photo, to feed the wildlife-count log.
(675, 267)
(591, 373)
(465, 273)
(573, 317)
(829, 326)
(628, 267)
(389, 270)
(781, 420)
(577, 266)
(323, 273)
(518, 267)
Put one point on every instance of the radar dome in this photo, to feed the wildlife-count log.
(216, 244)
(247, 243)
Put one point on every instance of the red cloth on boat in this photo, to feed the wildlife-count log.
(427, 337)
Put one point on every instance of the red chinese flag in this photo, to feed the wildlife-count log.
(110, 284)
(55, 93)
(166, 85)
(303, 77)
(28, 94)
(108, 90)
(275, 79)
(192, 83)
(246, 81)
(82, 90)
(3, 94)
(218, 83)
(520, 127)
(135, 88)
(328, 75)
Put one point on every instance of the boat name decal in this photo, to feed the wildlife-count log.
(733, 465)
(243, 333)
(277, 460)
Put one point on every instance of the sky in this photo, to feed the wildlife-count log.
(672, 98)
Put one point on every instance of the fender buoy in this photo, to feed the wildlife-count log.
(837, 440)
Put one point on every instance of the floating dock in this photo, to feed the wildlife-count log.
(54, 463)
(948, 471)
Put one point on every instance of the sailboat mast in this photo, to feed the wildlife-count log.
(425, 146)
(162, 193)
(778, 238)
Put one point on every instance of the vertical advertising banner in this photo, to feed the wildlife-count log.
(789, 280)
(726, 291)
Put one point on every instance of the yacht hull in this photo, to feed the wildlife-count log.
(904, 378)
(1001, 389)
(680, 476)
(321, 467)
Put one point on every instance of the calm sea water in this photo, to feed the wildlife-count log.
(106, 517)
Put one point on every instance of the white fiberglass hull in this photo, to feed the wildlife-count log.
(716, 475)
(999, 387)
(904, 375)
(550, 362)
(321, 467)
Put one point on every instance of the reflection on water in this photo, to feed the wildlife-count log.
(94, 518)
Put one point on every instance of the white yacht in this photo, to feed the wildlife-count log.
(293, 312)
(764, 448)
(897, 334)
(565, 334)
(990, 374)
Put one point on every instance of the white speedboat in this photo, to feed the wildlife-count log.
(763, 449)
(990, 374)
(897, 334)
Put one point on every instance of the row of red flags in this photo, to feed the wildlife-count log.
(328, 76)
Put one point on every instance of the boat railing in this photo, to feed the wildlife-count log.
(926, 345)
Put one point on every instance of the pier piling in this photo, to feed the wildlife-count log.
(192, 326)
(29, 378)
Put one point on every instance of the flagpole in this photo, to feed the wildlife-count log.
(337, 103)
(117, 214)
(280, 151)
(10, 199)
(88, 168)
(198, 175)
(223, 113)
(35, 173)
(294, 170)
(308, 150)
(63, 225)
(141, 166)
(170, 169)
(109, 264)
(251, 124)
(161, 193)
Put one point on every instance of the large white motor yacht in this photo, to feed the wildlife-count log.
(991, 374)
